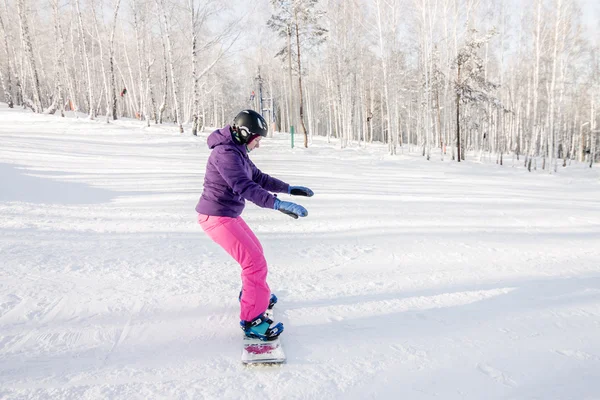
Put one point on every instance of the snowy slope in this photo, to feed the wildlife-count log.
(408, 280)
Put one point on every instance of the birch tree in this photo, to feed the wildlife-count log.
(199, 16)
(391, 71)
(63, 75)
(140, 42)
(471, 86)
(301, 19)
(162, 9)
(383, 57)
(86, 59)
(36, 104)
(111, 59)
(6, 81)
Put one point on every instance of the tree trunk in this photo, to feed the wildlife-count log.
(380, 26)
(163, 105)
(300, 81)
(551, 139)
(458, 147)
(195, 102)
(27, 45)
(104, 77)
(6, 83)
(59, 58)
(76, 84)
(65, 76)
(149, 61)
(139, 44)
(86, 57)
(290, 107)
(593, 132)
(111, 60)
(534, 121)
(171, 59)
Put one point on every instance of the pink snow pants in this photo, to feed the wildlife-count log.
(233, 235)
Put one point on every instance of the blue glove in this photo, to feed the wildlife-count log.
(292, 209)
(300, 191)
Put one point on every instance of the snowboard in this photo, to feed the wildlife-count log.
(256, 351)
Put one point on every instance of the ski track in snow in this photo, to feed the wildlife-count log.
(409, 279)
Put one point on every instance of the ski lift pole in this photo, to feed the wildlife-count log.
(292, 132)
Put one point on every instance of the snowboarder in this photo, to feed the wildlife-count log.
(230, 179)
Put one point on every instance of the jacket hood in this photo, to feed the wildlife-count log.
(220, 137)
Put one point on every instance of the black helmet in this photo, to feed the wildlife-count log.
(249, 123)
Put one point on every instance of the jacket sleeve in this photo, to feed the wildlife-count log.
(231, 167)
(268, 182)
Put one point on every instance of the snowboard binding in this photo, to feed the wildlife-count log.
(260, 328)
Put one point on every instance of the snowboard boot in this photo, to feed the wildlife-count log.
(260, 328)
(272, 300)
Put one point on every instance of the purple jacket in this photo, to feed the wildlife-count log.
(231, 177)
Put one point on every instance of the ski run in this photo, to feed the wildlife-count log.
(409, 279)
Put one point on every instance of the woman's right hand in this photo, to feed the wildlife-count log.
(292, 209)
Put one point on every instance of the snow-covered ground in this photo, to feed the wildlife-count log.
(408, 280)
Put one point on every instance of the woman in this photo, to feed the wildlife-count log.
(230, 179)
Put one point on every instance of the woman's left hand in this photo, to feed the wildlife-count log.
(300, 191)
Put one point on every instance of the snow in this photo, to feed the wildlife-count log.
(408, 279)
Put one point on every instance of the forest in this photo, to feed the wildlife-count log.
(448, 79)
